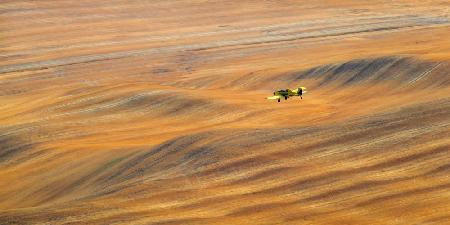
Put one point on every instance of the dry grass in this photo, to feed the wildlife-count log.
(138, 112)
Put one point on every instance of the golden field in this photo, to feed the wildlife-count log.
(155, 112)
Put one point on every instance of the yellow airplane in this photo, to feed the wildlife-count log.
(278, 95)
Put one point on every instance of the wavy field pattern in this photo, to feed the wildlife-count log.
(155, 112)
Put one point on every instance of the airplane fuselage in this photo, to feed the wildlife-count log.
(277, 95)
(287, 92)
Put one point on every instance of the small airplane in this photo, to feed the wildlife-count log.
(278, 95)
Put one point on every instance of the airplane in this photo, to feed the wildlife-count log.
(278, 95)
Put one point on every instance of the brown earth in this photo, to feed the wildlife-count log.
(154, 112)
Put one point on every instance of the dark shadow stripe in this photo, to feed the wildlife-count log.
(417, 191)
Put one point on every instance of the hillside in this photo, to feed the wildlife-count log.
(155, 112)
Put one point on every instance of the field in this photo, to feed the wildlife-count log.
(155, 112)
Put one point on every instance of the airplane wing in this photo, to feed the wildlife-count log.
(295, 90)
(275, 97)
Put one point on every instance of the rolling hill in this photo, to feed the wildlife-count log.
(155, 112)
